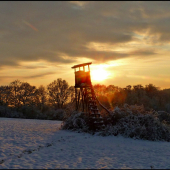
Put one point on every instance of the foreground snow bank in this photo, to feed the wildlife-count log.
(39, 144)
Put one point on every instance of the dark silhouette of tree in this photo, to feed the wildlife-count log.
(27, 94)
(41, 97)
(15, 90)
(38, 102)
(22, 93)
(128, 88)
(151, 90)
(1, 95)
(59, 92)
(5, 95)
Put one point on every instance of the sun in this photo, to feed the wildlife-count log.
(99, 74)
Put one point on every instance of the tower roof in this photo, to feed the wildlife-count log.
(81, 65)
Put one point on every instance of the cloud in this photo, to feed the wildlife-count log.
(30, 25)
(53, 30)
(143, 52)
(33, 67)
(27, 77)
(39, 75)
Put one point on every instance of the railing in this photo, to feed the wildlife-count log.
(99, 102)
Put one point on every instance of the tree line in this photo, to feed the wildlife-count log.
(22, 97)
(43, 102)
(18, 93)
(150, 96)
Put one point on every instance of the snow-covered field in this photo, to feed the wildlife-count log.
(35, 144)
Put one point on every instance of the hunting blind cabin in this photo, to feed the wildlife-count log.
(86, 100)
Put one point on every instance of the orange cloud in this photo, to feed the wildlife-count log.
(31, 26)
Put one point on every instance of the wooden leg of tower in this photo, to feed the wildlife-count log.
(76, 98)
(82, 92)
(78, 103)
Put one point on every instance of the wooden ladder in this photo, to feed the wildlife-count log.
(95, 118)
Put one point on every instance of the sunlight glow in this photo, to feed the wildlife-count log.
(99, 74)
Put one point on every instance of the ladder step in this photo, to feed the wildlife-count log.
(98, 122)
(97, 119)
(95, 113)
(94, 109)
(91, 101)
(90, 104)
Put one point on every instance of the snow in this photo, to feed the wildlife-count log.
(40, 144)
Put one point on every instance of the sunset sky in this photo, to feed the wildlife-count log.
(129, 41)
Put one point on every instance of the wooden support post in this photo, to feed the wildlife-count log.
(78, 100)
(82, 92)
(76, 97)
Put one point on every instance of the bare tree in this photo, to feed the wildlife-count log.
(41, 97)
(27, 94)
(5, 95)
(59, 92)
(15, 90)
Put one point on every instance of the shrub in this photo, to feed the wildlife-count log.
(133, 121)
(5, 111)
(29, 112)
(129, 121)
(77, 121)
(55, 114)
(164, 117)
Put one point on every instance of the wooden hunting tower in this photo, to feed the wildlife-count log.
(86, 100)
(82, 77)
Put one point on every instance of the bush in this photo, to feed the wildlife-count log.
(29, 112)
(55, 114)
(5, 111)
(69, 110)
(139, 127)
(164, 117)
(167, 107)
(129, 121)
(77, 121)
(134, 122)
